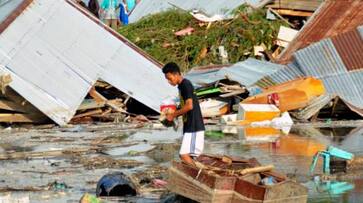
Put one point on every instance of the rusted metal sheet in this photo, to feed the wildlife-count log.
(320, 59)
(349, 45)
(332, 17)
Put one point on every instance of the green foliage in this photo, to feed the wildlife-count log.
(155, 35)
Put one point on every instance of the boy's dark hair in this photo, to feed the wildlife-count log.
(171, 67)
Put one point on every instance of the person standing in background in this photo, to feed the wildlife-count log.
(94, 7)
(109, 13)
(124, 17)
(80, 2)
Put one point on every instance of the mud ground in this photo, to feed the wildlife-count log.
(61, 164)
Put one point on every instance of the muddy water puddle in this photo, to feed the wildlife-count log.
(290, 153)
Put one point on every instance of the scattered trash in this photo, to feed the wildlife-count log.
(268, 181)
(270, 15)
(213, 108)
(327, 155)
(258, 50)
(58, 186)
(223, 54)
(284, 123)
(183, 32)
(285, 36)
(221, 32)
(257, 112)
(115, 184)
(88, 198)
(203, 18)
(225, 119)
(105, 162)
(159, 183)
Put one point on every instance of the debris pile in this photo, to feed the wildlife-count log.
(175, 35)
(62, 72)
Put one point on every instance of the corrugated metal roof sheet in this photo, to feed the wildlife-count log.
(349, 45)
(210, 7)
(332, 17)
(349, 86)
(250, 71)
(247, 73)
(323, 61)
(320, 59)
(288, 73)
(202, 78)
(54, 70)
(303, 5)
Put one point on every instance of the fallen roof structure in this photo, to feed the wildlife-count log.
(246, 73)
(55, 70)
(210, 7)
(337, 61)
(332, 17)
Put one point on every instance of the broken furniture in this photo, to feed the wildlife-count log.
(327, 155)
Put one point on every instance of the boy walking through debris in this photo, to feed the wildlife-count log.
(193, 126)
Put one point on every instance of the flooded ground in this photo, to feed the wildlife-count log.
(61, 164)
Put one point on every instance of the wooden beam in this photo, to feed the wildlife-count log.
(11, 106)
(114, 104)
(96, 95)
(22, 104)
(282, 18)
(88, 113)
(90, 104)
(21, 118)
(294, 12)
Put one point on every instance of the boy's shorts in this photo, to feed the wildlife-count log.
(192, 144)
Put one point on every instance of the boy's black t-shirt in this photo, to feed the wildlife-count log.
(192, 120)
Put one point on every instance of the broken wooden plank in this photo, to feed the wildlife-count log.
(282, 18)
(11, 106)
(234, 93)
(90, 104)
(88, 113)
(5, 80)
(22, 103)
(21, 118)
(53, 153)
(96, 95)
(116, 105)
(294, 12)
